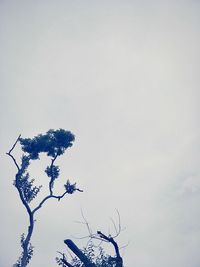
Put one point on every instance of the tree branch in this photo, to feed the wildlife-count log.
(51, 196)
(22, 197)
(66, 263)
(52, 179)
(111, 240)
(16, 180)
(10, 151)
(117, 231)
(63, 260)
(84, 259)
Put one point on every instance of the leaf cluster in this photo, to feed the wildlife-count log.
(70, 188)
(54, 143)
(24, 184)
(52, 171)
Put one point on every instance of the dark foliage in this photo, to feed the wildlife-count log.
(52, 171)
(24, 184)
(70, 188)
(54, 143)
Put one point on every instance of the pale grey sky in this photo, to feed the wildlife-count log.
(123, 76)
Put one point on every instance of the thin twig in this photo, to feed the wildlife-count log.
(118, 231)
(14, 145)
(124, 246)
(10, 151)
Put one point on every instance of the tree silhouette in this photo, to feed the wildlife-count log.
(54, 143)
(93, 255)
(88, 258)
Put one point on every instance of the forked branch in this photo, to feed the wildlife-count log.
(10, 151)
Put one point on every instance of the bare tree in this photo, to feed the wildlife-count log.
(53, 143)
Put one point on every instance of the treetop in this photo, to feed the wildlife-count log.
(54, 143)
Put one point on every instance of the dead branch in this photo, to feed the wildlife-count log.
(79, 253)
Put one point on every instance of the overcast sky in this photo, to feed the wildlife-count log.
(123, 76)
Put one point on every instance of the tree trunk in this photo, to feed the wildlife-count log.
(26, 256)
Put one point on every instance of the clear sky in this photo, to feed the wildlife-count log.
(123, 76)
